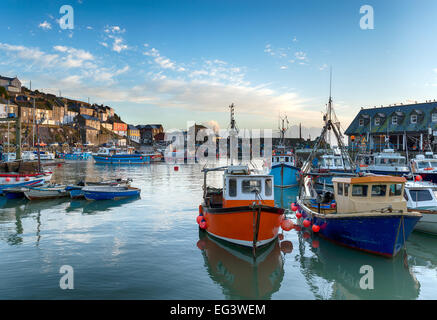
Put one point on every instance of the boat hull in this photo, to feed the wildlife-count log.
(285, 176)
(122, 159)
(30, 183)
(377, 233)
(390, 173)
(243, 225)
(76, 194)
(429, 176)
(39, 194)
(428, 223)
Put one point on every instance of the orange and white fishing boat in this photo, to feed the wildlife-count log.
(243, 211)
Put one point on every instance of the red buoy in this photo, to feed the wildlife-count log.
(286, 246)
(333, 205)
(418, 178)
(293, 207)
(202, 224)
(298, 215)
(17, 179)
(281, 236)
(306, 223)
(199, 219)
(8, 179)
(316, 228)
(287, 225)
(176, 168)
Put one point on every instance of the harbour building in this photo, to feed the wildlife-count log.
(411, 127)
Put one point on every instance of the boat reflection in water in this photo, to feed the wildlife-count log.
(238, 272)
(340, 267)
(94, 207)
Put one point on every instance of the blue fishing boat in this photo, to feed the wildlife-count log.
(386, 162)
(116, 156)
(110, 192)
(284, 168)
(76, 191)
(15, 180)
(76, 154)
(370, 213)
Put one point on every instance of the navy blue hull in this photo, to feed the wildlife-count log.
(382, 235)
(122, 159)
(390, 173)
(95, 195)
(429, 177)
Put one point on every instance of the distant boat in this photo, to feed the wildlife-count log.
(46, 192)
(387, 162)
(110, 192)
(421, 196)
(116, 156)
(426, 166)
(75, 154)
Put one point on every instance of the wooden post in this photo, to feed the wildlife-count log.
(18, 135)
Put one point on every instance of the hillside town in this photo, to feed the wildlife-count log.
(62, 120)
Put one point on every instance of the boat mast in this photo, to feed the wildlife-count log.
(232, 133)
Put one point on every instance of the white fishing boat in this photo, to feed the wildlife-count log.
(387, 162)
(422, 196)
(46, 192)
(426, 166)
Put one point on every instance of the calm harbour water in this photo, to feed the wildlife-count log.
(148, 248)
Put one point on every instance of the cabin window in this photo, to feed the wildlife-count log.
(379, 190)
(394, 121)
(413, 118)
(377, 121)
(286, 159)
(420, 195)
(338, 162)
(434, 117)
(232, 187)
(395, 189)
(361, 122)
(422, 164)
(251, 186)
(434, 164)
(269, 188)
(340, 189)
(346, 189)
(359, 190)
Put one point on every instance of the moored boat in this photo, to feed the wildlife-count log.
(370, 214)
(110, 192)
(15, 192)
(76, 192)
(11, 180)
(243, 211)
(46, 192)
(116, 156)
(387, 162)
(421, 196)
(425, 165)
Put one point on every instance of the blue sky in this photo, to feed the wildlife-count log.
(174, 61)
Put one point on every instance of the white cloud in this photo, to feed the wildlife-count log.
(118, 44)
(284, 67)
(114, 29)
(45, 25)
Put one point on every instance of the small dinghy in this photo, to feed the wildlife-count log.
(76, 192)
(110, 192)
(46, 192)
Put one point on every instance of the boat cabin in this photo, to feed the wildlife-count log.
(333, 162)
(364, 194)
(389, 158)
(283, 158)
(421, 195)
(424, 163)
(241, 188)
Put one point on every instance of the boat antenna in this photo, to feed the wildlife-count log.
(233, 130)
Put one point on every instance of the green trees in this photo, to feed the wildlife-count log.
(3, 93)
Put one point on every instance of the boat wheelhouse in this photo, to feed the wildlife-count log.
(422, 197)
(243, 211)
(284, 169)
(426, 166)
(387, 162)
(370, 214)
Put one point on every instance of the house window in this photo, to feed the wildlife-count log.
(394, 121)
(434, 117)
(361, 122)
(413, 118)
(377, 121)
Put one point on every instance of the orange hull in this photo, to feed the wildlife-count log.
(243, 226)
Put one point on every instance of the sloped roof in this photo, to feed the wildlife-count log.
(404, 124)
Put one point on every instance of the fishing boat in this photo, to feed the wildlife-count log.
(243, 211)
(75, 154)
(46, 192)
(425, 165)
(422, 197)
(386, 162)
(110, 192)
(44, 155)
(331, 165)
(284, 168)
(11, 180)
(15, 192)
(117, 156)
(370, 214)
(76, 192)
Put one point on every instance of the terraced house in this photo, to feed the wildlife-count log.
(411, 126)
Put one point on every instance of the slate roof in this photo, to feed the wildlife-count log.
(423, 111)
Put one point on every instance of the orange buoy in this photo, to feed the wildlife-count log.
(199, 219)
(287, 225)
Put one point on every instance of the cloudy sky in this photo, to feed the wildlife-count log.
(171, 62)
